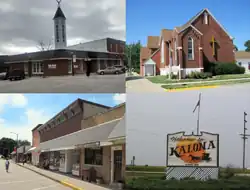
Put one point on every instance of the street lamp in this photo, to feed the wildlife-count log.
(16, 145)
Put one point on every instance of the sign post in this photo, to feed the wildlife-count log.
(195, 156)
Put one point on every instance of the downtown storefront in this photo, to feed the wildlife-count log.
(91, 153)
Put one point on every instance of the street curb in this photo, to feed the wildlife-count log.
(53, 179)
(191, 88)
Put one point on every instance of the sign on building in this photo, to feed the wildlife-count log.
(52, 66)
(74, 58)
(192, 155)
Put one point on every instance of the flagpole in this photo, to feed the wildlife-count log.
(198, 119)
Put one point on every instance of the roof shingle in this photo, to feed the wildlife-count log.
(145, 53)
(153, 42)
(59, 13)
(242, 55)
(166, 34)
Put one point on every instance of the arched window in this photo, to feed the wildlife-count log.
(190, 48)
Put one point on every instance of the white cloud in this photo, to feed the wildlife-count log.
(119, 98)
(31, 117)
(13, 100)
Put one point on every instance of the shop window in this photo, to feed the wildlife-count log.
(93, 156)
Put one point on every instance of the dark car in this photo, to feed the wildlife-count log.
(123, 68)
(16, 74)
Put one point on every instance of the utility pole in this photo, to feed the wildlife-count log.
(244, 136)
(130, 62)
(16, 145)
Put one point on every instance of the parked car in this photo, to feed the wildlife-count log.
(109, 70)
(16, 74)
(4, 75)
(123, 68)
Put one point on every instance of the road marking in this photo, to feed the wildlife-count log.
(8, 182)
(190, 88)
(47, 187)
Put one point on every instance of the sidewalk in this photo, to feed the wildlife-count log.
(71, 182)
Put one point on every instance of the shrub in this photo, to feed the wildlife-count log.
(189, 184)
(228, 68)
(199, 75)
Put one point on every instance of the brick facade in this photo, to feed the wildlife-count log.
(82, 109)
(202, 34)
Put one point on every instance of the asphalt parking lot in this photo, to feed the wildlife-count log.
(20, 178)
(66, 84)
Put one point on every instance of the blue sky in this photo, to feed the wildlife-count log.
(147, 17)
(21, 112)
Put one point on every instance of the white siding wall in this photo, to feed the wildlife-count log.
(61, 44)
(244, 63)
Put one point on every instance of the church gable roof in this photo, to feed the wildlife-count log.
(59, 13)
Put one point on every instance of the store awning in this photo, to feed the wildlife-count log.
(31, 149)
(99, 133)
(119, 131)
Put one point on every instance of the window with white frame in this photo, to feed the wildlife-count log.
(175, 49)
(205, 18)
(70, 66)
(37, 68)
(190, 48)
(162, 51)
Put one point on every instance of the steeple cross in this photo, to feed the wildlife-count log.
(59, 2)
(214, 43)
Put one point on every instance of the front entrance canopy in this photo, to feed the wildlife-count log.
(93, 134)
(119, 131)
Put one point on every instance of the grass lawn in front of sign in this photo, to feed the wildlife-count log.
(153, 178)
(166, 80)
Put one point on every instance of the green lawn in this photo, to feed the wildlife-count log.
(215, 83)
(165, 79)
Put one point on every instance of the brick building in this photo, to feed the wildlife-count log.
(67, 60)
(187, 48)
(86, 135)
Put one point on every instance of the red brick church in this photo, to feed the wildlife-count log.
(187, 48)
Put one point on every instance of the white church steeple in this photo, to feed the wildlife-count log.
(60, 34)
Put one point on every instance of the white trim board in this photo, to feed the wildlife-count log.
(211, 16)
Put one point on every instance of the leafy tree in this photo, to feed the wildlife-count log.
(236, 48)
(23, 143)
(247, 45)
(132, 53)
(7, 145)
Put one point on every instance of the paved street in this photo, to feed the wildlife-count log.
(66, 84)
(20, 178)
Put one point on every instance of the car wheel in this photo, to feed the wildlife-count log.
(116, 72)
(101, 73)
